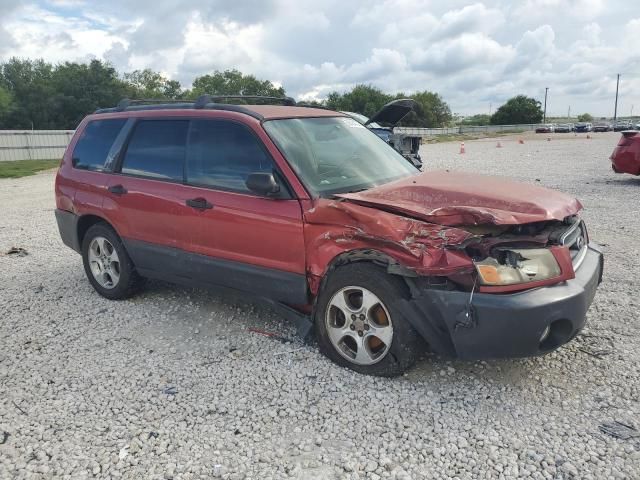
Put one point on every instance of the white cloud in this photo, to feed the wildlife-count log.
(473, 52)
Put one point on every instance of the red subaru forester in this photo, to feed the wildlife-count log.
(307, 208)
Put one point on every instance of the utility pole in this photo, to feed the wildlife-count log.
(544, 118)
(569, 113)
(615, 109)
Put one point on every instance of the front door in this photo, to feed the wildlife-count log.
(240, 239)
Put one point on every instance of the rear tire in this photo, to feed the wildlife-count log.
(107, 264)
(359, 325)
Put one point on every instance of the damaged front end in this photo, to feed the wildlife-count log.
(484, 290)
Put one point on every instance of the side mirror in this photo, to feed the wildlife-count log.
(263, 183)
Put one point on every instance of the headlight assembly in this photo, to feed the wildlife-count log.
(518, 266)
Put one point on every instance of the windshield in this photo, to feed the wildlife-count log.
(362, 119)
(337, 154)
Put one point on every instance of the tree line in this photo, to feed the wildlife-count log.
(39, 95)
(35, 94)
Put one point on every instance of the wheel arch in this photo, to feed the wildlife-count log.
(85, 222)
(434, 331)
(369, 255)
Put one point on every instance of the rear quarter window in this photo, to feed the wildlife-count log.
(92, 148)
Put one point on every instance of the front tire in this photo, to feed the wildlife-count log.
(359, 325)
(107, 264)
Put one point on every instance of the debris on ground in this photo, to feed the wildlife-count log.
(288, 351)
(275, 336)
(169, 390)
(596, 346)
(18, 251)
(619, 430)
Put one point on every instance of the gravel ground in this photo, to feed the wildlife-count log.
(171, 384)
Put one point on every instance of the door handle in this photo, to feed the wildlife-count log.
(199, 203)
(117, 189)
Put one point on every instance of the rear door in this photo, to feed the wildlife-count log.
(242, 240)
(143, 195)
(82, 181)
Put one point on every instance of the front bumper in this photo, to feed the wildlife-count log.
(507, 325)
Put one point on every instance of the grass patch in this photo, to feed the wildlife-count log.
(22, 168)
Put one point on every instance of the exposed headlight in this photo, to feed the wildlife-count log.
(513, 266)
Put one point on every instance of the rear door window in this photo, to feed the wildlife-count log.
(157, 150)
(222, 154)
(90, 153)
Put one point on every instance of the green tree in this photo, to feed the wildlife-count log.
(81, 88)
(28, 83)
(48, 97)
(5, 104)
(479, 119)
(363, 99)
(585, 117)
(432, 111)
(149, 84)
(519, 109)
(233, 82)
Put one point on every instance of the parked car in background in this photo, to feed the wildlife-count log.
(564, 128)
(626, 156)
(621, 125)
(383, 122)
(583, 127)
(307, 208)
(602, 127)
(546, 128)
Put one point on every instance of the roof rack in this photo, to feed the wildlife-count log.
(203, 100)
(127, 102)
(311, 105)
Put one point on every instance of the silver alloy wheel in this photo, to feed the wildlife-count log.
(104, 262)
(359, 325)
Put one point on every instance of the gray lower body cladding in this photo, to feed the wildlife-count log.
(506, 325)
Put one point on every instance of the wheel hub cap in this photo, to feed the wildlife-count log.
(104, 262)
(359, 325)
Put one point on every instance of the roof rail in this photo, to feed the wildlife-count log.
(311, 105)
(203, 100)
(127, 102)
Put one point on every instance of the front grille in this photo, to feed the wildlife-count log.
(576, 239)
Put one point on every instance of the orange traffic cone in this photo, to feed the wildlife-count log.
(521, 141)
(498, 145)
(461, 148)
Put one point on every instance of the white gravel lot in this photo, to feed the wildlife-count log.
(171, 384)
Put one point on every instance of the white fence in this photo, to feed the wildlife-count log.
(50, 144)
(33, 144)
(466, 129)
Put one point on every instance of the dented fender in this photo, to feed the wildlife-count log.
(333, 227)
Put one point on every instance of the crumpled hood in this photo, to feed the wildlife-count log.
(456, 198)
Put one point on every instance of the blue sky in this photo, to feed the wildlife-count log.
(476, 54)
